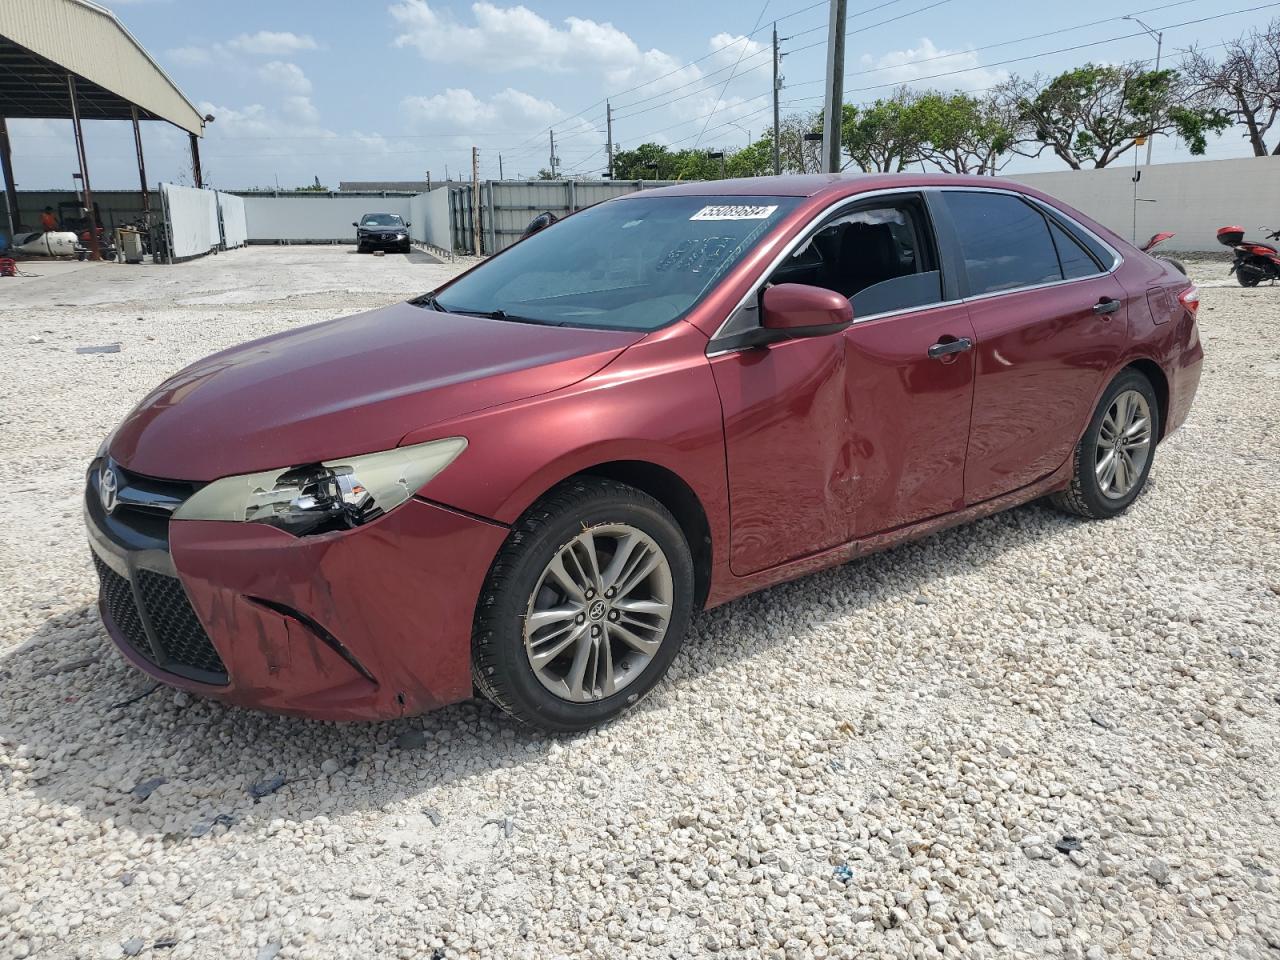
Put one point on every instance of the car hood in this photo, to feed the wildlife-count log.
(381, 229)
(344, 387)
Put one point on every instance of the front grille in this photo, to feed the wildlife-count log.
(178, 641)
(175, 624)
(117, 601)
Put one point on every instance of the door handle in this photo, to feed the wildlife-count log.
(945, 348)
(1106, 305)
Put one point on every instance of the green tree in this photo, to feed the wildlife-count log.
(885, 137)
(1091, 115)
(960, 133)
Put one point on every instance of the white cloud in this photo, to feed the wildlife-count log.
(900, 66)
(272, 43)
(287, 77)
(726, 48)
(462, 110)
(511, 38)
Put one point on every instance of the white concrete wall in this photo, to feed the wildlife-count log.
(1192, 199)
(314, 218)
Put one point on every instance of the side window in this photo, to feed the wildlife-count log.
(881, 256)
(1005, 242)
(1076, 261)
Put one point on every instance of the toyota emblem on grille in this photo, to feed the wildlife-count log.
(108, 487)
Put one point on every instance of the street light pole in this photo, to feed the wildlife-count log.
(1159, 35)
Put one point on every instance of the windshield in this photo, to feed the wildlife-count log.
(381, 220)
(636, 264)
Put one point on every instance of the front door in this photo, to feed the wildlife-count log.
(837, 437)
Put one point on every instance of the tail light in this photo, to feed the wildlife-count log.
(1190, 298)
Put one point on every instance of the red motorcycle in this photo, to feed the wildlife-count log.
(1154, 242)
(1255, 261)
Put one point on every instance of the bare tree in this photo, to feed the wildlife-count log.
(1246, 82)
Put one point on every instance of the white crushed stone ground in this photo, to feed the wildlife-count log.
(874, 761)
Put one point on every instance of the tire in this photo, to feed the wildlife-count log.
(405, 248)
(521, 583)
(1250, 279)
(361, 248)
(1093, 493)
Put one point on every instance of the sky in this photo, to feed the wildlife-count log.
(393, 89)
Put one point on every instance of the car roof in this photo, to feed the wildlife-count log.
(813, 184)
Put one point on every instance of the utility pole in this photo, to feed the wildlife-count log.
(500, 176)
(608, 132)
(1159, 35)
(475, 199)
(777, 88)
(553, 153)
(834, 92)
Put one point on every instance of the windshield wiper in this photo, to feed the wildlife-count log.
(429, 300)
(501, 314)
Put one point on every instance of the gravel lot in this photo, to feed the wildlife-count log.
(1030, 736)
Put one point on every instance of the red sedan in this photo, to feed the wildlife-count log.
(527, 481)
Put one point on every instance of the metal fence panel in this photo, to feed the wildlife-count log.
(192, 219)
(509, 205)
(234, 228)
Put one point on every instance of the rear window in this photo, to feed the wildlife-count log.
(1004, 241)
(1076, 261)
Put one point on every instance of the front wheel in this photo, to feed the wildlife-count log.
(1113, 458)
(585, 606)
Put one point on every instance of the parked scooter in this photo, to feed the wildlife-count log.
(1255, 261)
(1154, 242)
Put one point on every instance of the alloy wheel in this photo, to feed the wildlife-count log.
(1124, 444)
(599, 612)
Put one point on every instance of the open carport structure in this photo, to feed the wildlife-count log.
(73, 60)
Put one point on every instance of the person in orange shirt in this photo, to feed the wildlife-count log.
(47, 220)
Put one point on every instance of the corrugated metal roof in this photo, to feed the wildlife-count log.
(85, 39)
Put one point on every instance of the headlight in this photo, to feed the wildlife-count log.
(334, 495)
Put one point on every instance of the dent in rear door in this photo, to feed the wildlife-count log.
(786, 427)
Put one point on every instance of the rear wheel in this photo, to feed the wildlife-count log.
(585, 607)
(1113, 459)
(1248, 276)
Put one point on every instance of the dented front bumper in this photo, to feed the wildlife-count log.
(365, 624)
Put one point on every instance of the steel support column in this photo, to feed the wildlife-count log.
(196, 175)
(10, 188)
(94, 252)
(142, 167)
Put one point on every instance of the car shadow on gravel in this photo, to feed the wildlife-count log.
(84, 730)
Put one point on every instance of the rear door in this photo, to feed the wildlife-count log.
(1049, 321)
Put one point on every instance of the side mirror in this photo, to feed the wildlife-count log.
(794, 310)
(408, 223)
(354, 224)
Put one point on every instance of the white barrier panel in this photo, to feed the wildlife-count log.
(430, 217)
(1191, 199)
(315, 218)
(192, 216)
(234, 229)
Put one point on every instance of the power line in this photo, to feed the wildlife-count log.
(1045, 53)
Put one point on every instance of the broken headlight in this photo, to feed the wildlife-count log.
(322, 497)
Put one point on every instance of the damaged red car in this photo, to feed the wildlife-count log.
(526, 482)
